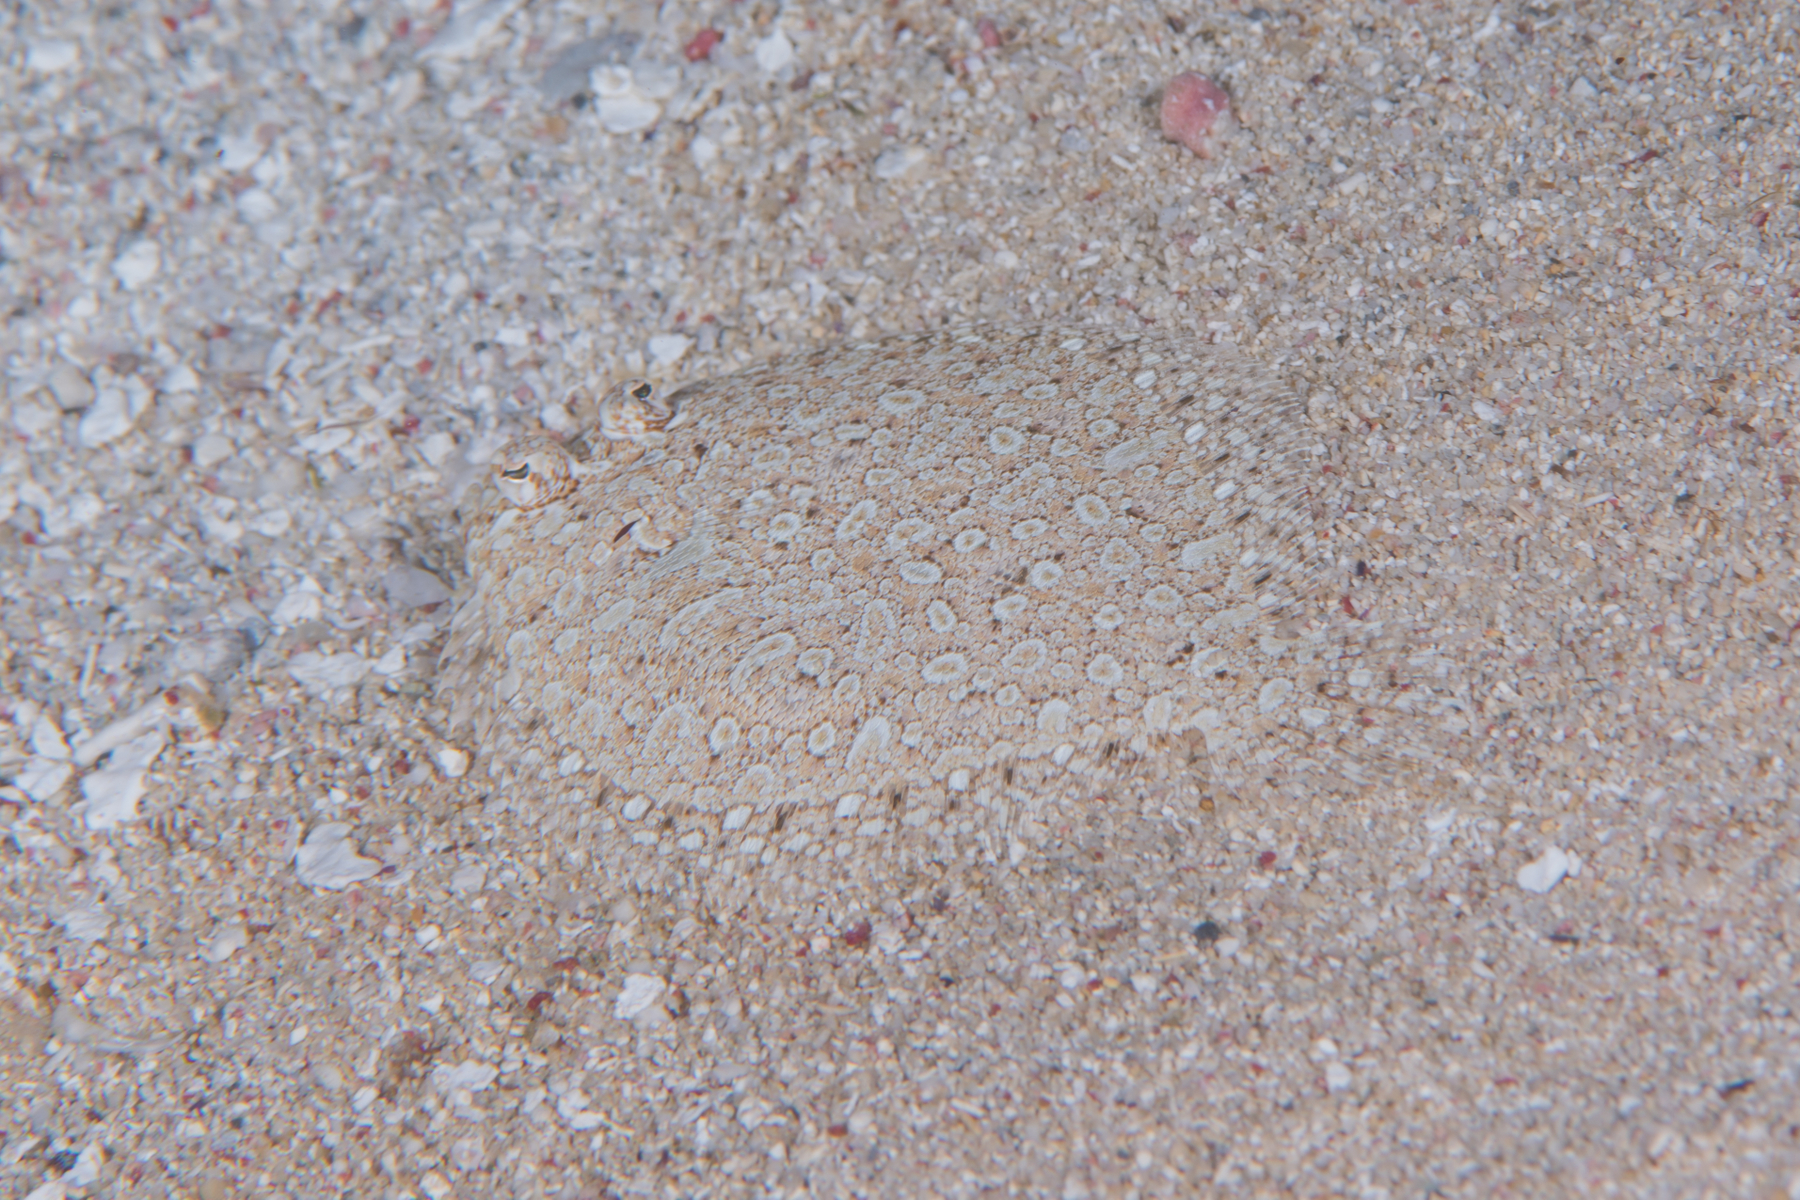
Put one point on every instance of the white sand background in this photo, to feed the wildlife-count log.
(279, 279)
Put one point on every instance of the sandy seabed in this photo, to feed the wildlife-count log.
(281, 280)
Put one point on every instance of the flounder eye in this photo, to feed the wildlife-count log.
(641, 391)
(522, 471)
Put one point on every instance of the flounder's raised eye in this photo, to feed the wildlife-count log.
(633, 411)
(536, 477)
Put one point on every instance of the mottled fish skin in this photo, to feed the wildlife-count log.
(937, 577)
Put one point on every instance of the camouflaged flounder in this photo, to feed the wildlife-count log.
(918, 579)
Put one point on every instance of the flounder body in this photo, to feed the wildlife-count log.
(925, 581)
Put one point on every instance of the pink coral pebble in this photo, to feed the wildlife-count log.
(1196, 112)
(701, 46)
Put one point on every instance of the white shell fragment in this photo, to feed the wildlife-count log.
(73, 1029)
(112, 794)
(328, 858)
(88, 923)
(323, 674)
(470, 1075)
(114, 412)
(128, 727)
(897, 161)
(468, 30)
(47, 741)
(623, 105)
(954, 573)
(43, 779)
(411, 587)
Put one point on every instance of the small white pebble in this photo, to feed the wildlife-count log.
(239, 152)
(114, 411)
(138, 264)
(328, 440)
(638, 995)
(666, 349)
(226, 942)
(211, 450)
(437, 447)
(774, 52)
(300, 605)
(453, 762)
(54, 56)
(470, 1075)
(257, 206)
(71, 387)
(1545, 871)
